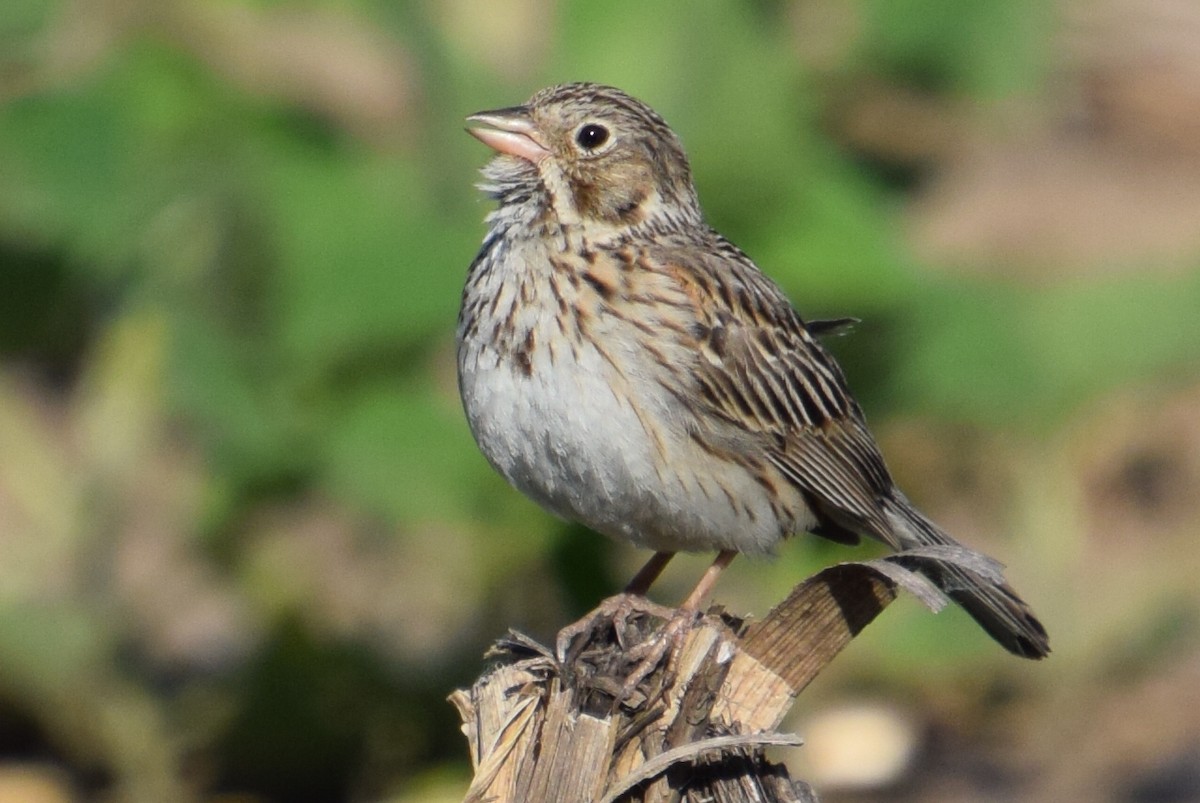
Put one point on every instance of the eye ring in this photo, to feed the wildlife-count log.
(591, 136)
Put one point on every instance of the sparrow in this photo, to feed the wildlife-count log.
(627, 367)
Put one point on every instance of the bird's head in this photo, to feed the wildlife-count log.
(592, 155)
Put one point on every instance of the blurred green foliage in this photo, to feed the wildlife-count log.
(227, 302)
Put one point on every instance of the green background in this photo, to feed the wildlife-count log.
(247, 545)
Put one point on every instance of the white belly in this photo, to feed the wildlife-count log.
(565, 436)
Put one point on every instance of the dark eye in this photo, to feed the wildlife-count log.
(591, 136)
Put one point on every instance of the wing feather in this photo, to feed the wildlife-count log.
(773, 388)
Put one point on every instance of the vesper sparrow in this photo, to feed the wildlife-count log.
(629, 368)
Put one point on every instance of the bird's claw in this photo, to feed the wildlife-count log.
(661, 647)
(646, 655)
(613, 612)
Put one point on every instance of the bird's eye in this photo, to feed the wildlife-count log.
(591, 136)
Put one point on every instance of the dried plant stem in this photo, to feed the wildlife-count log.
(693, 730)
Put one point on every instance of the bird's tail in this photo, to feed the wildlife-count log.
(983, 594)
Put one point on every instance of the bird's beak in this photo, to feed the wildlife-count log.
(510, 131)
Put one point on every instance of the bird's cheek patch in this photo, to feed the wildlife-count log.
(629, 210)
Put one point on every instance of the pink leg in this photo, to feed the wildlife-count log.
(646, 576)
(667, 641)
(615, 611)
(708, 580)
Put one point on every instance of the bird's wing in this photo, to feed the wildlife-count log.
(762, 380)
(831, 327)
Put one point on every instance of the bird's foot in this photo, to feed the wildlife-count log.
(614, 615)
(621, 644)
(660, 648)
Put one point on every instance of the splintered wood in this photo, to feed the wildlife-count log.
(693, 729)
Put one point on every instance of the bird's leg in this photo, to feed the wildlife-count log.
(695, 599)
(617, 610)
(667, 641)
(633, 598)
(646, 576)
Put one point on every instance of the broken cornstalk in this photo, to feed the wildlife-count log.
(694, 729)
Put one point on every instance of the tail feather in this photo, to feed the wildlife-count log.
(983, 594)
